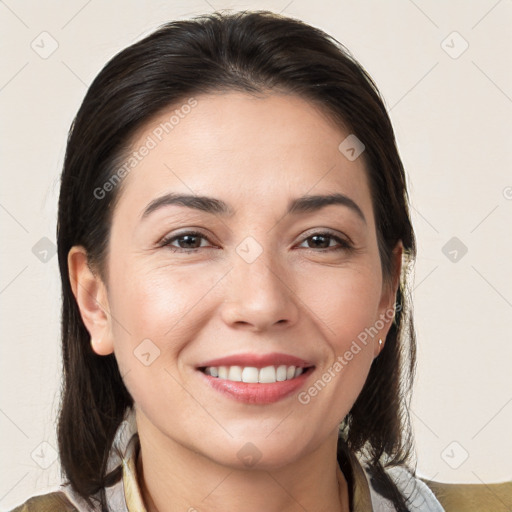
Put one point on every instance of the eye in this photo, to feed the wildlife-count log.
(190, 241)
(187, 241)
(321, 242)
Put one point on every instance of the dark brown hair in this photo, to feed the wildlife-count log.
(252, 52)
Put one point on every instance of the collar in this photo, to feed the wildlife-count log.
(356, 477)
(126, 447)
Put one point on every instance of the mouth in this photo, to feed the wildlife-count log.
(256, 379)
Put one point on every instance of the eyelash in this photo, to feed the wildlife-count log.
(343, 244)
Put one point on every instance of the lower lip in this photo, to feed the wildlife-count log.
(260, 394)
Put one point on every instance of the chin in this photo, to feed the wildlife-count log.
(259, 453)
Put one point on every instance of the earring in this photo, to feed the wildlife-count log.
(380, 342)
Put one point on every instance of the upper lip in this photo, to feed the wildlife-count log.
(257, 360)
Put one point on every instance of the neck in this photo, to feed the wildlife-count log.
(179, 479)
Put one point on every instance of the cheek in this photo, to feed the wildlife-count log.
(346, 306)
(153, 321)
(154, 317)
(159, 302)
(346, 302)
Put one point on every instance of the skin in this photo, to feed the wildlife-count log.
(254, 153)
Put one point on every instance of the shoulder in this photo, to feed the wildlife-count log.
(427, 495)
(55, 501)
(473, 497)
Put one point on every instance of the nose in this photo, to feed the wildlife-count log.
(259, 295)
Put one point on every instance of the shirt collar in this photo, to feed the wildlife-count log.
(126, 443)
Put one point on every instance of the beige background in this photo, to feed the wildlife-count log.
(452, 113)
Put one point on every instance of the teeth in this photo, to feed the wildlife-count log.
(249, 374)
(267, 374)
(281, 372)
(235, 373)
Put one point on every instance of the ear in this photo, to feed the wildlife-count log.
(91, 296)
(387, 300)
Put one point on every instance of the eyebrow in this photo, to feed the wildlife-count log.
(304, 204)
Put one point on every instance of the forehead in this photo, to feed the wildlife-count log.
(239, 146)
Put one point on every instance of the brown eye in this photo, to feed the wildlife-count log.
(322, 242)
(189, 241)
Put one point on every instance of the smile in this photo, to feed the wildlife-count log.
(256, 379)
(253, 375)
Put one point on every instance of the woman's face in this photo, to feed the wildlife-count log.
(255, 282)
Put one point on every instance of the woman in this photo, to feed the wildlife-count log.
(234, 243)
